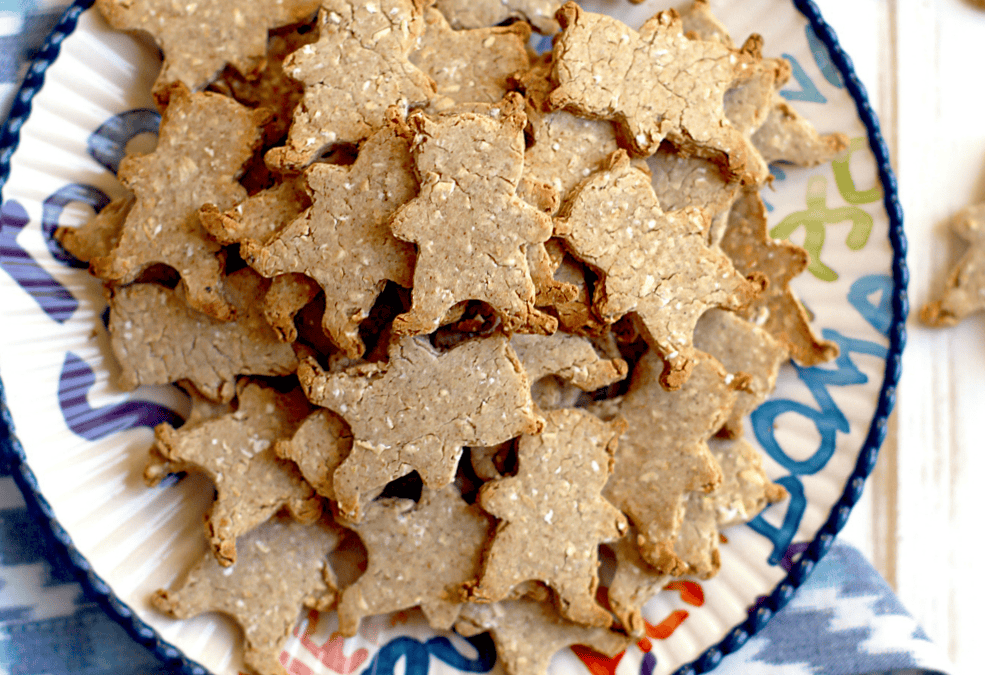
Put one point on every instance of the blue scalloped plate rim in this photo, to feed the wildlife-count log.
(13, 458)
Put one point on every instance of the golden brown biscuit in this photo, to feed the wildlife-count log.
(645, 81)
(283, 566)
(655, 264)
(470, 228)
(746, 351)
(471, 65)
(205, 140)
(320, 444)
(528, 633)
(541, 536)
(157, 339)
(747, 243)
(236, 452)
(343, 241)
(199, 38)
(100, 234)
(356, 70)
(417, 412)
(663, 454)
(419, 554)
(965, 292)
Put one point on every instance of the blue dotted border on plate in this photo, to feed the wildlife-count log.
(838, 516)
(12, 453)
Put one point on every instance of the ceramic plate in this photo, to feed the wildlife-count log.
(80, 443)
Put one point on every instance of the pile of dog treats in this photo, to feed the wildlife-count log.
(472, 310)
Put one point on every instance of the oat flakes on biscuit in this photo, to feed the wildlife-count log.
(320, 444)
(748, 244)
(236, 452)
(419, 554)
(570, 357)
(746, 351)
(343, 241)
(540, 536)
(356, 70)
(965, 289)
(282, 567)
(100, 234)
(470, 227)
(472, 65)
(205, 139)
(527, 633)
(157, 339)
(663, 454)
(482, 13)
(417, 411)
(655, 264)
(199, 38)
(646, 82)
(744, 491)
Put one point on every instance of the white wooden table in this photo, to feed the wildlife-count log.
(922, 63)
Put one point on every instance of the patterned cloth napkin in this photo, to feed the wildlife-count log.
(844, 621)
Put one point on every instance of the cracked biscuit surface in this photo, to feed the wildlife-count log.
(351, 75)
(205, 140)
(470, 227)
(654, 84)
(654, 264)
(236, 452)
(420, 409)
(199, 38)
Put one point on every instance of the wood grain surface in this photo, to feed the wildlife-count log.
(922, 63)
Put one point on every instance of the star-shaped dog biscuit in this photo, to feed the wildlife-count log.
(747, 243)
(419, 554)
(965, 291)
(343, 241)
(158, 339)
(663, 455)
(418, 411)
(282, 567)
(199, 38)
(654, 84)
(470, 228)
(236, 452)
(205, 139)
(552, 515)
(655, 264)
(471, 66)
(355, 71)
